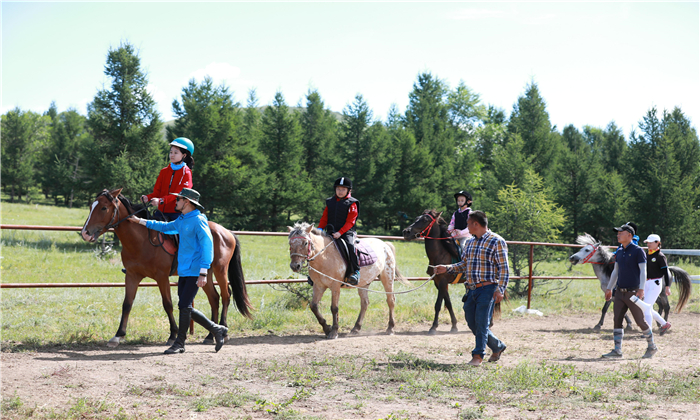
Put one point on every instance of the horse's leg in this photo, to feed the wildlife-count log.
(388, 282)
(213, 297)
(319, 289)
(448, 305)
(664, 305)
(438, 306)
(164, 287)
(222, 279)
(335, 298)
(364, 302)
(599, 325)
(131, 286)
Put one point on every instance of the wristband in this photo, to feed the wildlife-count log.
(203, 273)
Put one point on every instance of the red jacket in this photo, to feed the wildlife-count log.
(170, 181)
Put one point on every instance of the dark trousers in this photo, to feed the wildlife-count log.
(349, 238)
(621, 304)
(478, 310)
(165, 217)
(186, 291)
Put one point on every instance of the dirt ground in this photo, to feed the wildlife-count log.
(56, 378)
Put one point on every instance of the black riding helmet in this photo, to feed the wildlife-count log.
(466, 195)
(343, 182)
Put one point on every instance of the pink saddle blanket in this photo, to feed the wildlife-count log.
(365, 253)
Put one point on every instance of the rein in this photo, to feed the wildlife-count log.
(589, 256)
(423, 233)
(115, 215)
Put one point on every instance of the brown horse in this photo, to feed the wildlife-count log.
(142, 258)
(440, 250)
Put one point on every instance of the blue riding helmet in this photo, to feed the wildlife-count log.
(183, 143)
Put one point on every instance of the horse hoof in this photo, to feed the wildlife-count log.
(114, 342)
(332, 336)
(170, 342)
(454, 330)
(432, 331)
(208, 341)
(597, 328)
(390, 332)
(354, 332)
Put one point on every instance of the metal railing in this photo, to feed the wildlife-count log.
(530, 277)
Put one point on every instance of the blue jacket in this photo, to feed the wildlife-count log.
(196, 249)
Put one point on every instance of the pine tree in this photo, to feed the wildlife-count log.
(129, 146)
(289, 190)
(23, 134)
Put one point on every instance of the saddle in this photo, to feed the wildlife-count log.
(365, 254)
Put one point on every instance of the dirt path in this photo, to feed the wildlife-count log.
(145, 383)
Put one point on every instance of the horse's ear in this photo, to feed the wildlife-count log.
(289, 228)
(309, 229)
(115, 193)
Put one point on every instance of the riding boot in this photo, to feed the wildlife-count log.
(219, 331)
(184, 324)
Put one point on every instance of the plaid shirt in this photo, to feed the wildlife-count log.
(484, 259)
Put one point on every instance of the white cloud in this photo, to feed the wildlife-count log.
(219, 72)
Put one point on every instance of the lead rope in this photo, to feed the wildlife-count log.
(375, 291)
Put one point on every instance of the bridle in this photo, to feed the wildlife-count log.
(423, 234)
(591, 254)
(310, 248)
(115, 214)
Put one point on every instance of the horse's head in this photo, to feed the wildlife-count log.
(103, 213)
(422, 225)
(300, 245)
(589, 253)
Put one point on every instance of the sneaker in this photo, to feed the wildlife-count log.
(665, 328)
(651, 351)
(612, 354)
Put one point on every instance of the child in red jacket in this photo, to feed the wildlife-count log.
(340, 216)
(172, 179)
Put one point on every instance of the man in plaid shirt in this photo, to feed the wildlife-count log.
(485, 264)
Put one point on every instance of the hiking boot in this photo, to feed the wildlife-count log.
(665, 328)
(476, 360)
(612, 354)
(651, 351)
(497, 355)
(183, 326)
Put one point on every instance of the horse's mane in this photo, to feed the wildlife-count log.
(300, 228)
(586, 239)
(138, 209)
(435, 214)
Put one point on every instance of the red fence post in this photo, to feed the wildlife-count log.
(529, 279)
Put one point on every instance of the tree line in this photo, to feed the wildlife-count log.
(262, 167)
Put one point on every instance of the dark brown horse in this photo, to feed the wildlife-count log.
(142, 258)
(440, 250)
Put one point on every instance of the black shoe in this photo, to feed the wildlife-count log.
(219, 331)
(175, 349)
(124, 270)
(308, 280)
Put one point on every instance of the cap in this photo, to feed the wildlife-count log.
(653, 238)
(626, 227)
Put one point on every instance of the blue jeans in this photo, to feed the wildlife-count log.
(186, 291)
(478, 310)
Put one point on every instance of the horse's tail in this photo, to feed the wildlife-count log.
(497, 307)
(236, 282)
(397, 274)
(684, 284)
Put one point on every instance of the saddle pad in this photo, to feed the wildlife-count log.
(365, 254)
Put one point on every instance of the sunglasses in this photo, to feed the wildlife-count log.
(180, 198)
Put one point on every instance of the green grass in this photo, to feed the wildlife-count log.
(63, 316)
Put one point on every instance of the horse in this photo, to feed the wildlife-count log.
(143, 256)
(603, 263)
(308, 246)
(440, 250)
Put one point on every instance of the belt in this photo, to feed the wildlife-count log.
(477, 285)
(626, 290)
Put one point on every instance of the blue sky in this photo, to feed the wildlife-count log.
(593, 62)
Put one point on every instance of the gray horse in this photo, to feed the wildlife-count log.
(603, 263)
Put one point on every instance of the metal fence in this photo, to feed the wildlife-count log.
(530, 277)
